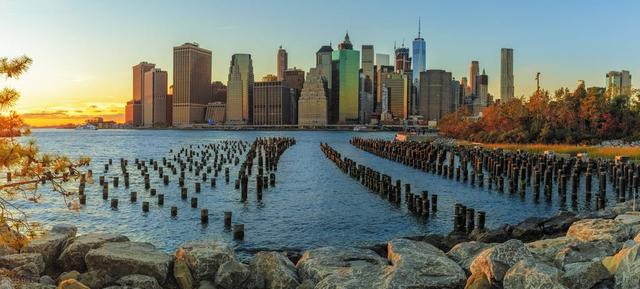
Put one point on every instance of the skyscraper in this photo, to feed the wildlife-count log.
(218, 92)
(403, 61)
(474, 71)
(367, 66)
(482, 96)
(312, 105)
(191, 83)
(281, 63)
(506, 74)
(271, 103)
(419, 65)
(618, 83)
(435, 94)
(382, 59)
(235, 90)
(154, 101)
(381, 73)
(138, 91)
(244, 94)
(346, 66)
(398, 87)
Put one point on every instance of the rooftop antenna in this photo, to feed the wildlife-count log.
(538, 82)
(418, 27)
(394, 45)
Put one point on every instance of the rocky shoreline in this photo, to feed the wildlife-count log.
(595, 250)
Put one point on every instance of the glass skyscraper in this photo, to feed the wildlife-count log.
(346, 62)
(419, 65)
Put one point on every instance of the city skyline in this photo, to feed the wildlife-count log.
(70, 82)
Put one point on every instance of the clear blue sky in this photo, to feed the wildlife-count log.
(84, 50)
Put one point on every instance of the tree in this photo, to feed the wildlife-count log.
(25, 167)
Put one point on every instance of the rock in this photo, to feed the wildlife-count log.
(10, 237)
(29, 271)
(52, 244)
(138, 281)
(583, 274)
(68, 275)
(5, 283)
(6, 250)
(545, 250)
(494, 262)
(207, 285)
(273, 270)
(205, 257)
(232, 274)
(72, 257)
(306, 284)
(125, 258)
(182, 274)
(17, 260)
(529, 274)
(316, 264)
(558, 224)
(464, 253)
(72, 284)
(613, 262)
(632, 220)
(421, 265)
(477, 282)
(528, 230)
(584, 252)
(627, 275)
(599, 229)
(359, 275)
(47, 280)
(37, 286)
(96, 279)
(499, 235)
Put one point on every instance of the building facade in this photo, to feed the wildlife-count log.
(191, 83)
(398, 87)
(506, 74)
(154, 101)
(272, 103)
(312, 104)
(435, 94)
(618, 83)
(235, 91)
(241, 73)
(419, 59)
(218, 92)
(281, 63)
(474, 72)
(215, 112)
(382, 59)
(346, 81)
(138, 90)
(403, 60)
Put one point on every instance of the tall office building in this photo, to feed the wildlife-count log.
(506, 74)
(482, 97)
(367, 66)
(138, 91)
(128, 113)
(281, 63)
(191, 83)
(382, 59)
(456, 94)
(154, 101)
(271, 103)
(293, 78)
(366, 99)
(346, 67)
(435, 94)
(243, 95)
(618, 83)
(218, 92)
(398, 88)
(312, 104)
(419, 65)
(381, 73)
(465, 87)
(474, 71)
(403, 61)
(235, 91)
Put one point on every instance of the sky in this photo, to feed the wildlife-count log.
(83, 51)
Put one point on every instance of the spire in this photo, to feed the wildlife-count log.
(483, 73)
(346, 38)
(418, 27)
(394, 45)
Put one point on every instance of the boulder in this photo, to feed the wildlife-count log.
(51, 244)
(494, 262)
(599, 229)
(29, 271)
(10, 237)
(498, 235)
(632, 220)
(613, 262)
(47, 280)
(72, 257)
(208, 285)
(545, 250)
(232, 274)
(37, 286)
(558, 224)
(421, 265)
(528, 230)
(316, 264)
(6, 250)
(125, 258)
(96, 279)
(627, 275)
(584, 252)
(18, 260)
(464, 253)
(72, 284)
(477, 282)
(359, 275)
(182, 274)
(529, 274)
(583, 274)
(205, 257)
(5, 283)
(68, 275)
(273, 270)
(138, 281)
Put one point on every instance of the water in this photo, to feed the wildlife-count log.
(313, 204)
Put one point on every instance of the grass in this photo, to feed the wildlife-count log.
(567, 149)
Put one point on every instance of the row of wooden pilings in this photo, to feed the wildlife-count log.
(199, 160)
(520, 170)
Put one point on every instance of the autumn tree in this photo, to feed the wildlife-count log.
(25, 167)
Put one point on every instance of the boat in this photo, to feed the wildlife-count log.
(361, 128)
(86, 127)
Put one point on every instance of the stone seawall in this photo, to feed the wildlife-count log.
(591, 250)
